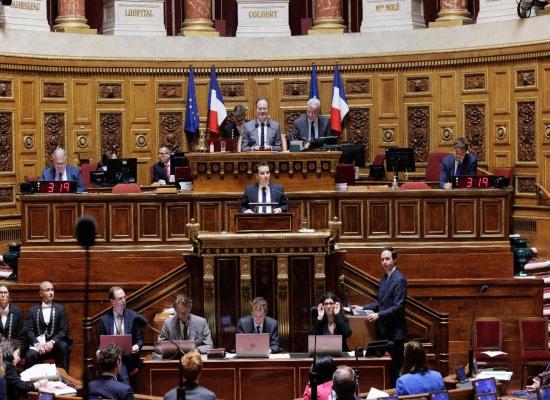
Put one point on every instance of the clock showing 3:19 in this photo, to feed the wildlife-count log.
(56, 187)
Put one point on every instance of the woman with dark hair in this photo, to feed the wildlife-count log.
(15, 387)
(108, 155)
(324, 367)
(415, 375)
(329, 319)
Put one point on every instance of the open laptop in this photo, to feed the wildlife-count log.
(249, 345)
(485, 385)
(124, 341)
(324, 345)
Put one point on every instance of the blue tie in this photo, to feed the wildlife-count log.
(312, 132)
(264, 200)
(257, 328)
(262, 138)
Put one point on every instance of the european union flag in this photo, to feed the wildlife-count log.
(313, 88)
(191, 110)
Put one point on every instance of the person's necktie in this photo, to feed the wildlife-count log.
(167, 169)
(118, 324)
(186, 330)
(457, 169)
(60, 176)
(257, 328)
(262, 136)
(264, 200)
(312, 130)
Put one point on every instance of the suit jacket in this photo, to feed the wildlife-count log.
(108, 387)
(16, 324)
(36, 325)
(271, 326)
(390, 306)
(16, 388)
(251, 137)
(251, 196)
(300, 130)
(159, 172)
(467, 167)
(229, 130)
(193, 391)
(197, 331)
(321, 327)
(73, 174)
(131, 327)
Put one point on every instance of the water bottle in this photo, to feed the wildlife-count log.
(394, 185)
(211, 147)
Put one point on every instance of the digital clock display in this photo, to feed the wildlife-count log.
(56, 187)
(479, 182)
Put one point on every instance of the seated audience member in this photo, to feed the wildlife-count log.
(415, 375)
(259, 322)
(233, 128)
(187, 326)
(3, 393)
(192, 368)
(48, 331)
(16, 388)
(324, 367)
(107, 386)
(12, 324)
(123, 321)
(344, 384)
(457, 164)
(263, 191)
(530, 391)
(161, 170)
(310, 125)
(61, 171)
(329, 319)
(261, 133)
(105, 157)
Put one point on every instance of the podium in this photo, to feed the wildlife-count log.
(247, 223)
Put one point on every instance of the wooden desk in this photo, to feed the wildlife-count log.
(245, 379)
(233, 171)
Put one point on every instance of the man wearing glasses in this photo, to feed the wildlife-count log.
(161, 170)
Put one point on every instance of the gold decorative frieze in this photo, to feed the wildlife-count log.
(6, 91)
(53, 90)
(526, 78)
(171, 130)
(475, 82)
(234, 90)
(110, 125)
(526, 185)
(6, 141)
(418, 131)
(474, 129)
(7, 195)
(170, 91)
(54, 133)
(358, 87)
(109, 91)
(418, 85)
(526, 124)
(293, 89)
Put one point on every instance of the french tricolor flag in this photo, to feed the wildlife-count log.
(216, 108)
(339, 107)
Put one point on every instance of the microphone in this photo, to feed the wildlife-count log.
(482, 290)
(85, 231)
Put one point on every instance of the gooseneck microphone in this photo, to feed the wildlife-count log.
(482, 290)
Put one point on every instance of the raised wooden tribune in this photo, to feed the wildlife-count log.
(247, 223)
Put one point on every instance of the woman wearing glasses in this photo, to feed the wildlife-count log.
(329, 319)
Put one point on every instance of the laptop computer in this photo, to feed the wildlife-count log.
(439, 395)
(543, 393)
(485, 385)
(324, 345)
(124, 341)
(249, 345)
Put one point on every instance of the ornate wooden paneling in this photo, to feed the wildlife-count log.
(359, 128)
(64, 216)
(358, 87)
(295, 88)
(474, 122)
(436, 219)
(418, 131)
(171, 130)
(492, 216)
(7, 196)
(111, 128)
(54, 133)
(281, 384)
(139, 101)
(228, 300)
(526, 140)
(150, 222)
(318, 212)
(289, 116)
(474, 82)
(98, 212)
(121, 227)
(526, 78)
(464, 216)
(418, 85)
(209, 216)
(6, 142)
(379, 221)
(502, 93)
(388, 96)
(109, 91)
(447, 93)
(351, 215)
(233, 90)
(53, 91)
(407, 221)
(6, 88)
(82, 101)
(27, 100)
(170, 91)
(37, 223)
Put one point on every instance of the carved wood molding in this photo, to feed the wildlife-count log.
(474, 126)
(418, 131)
(6, 141)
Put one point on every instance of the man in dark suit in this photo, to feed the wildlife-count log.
(192, 369)
(187, 326)
(233, 128)
(265, 192)
(389, 310)
(310, 125)
(261, 133)
(122, 321)
(12, 325)
(48, 330)
(457, 164)
(259, 322)
(61, 171)
(161, 170)
(107, 385)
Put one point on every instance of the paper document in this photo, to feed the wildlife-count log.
(498, 375)
(376, 393)
(494, 353)
(58, 388)
(40, 371)
(355, 311)
(279, 356)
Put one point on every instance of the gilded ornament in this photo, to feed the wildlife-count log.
(501, 132)
(28, 142)
(446, 133)
(388, 135)
(82, 141)
(141, 140)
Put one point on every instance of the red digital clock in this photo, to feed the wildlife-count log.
(56, 187)
(479, 182)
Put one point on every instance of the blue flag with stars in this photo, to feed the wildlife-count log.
(313, 88)
(191, 110)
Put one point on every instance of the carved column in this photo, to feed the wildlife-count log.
(452, 13)
(72, 17)
(328, 17)
(198, 19)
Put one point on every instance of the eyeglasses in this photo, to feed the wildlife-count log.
(327, 304)
(163, 154)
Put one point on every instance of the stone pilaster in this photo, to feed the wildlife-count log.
(72, 17)
(452, 13)
(198, 19)
(328, 18)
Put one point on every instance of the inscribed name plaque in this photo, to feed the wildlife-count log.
(133, 17)
(263, 18)
(29, 15)
(392, 15)
(497, 10)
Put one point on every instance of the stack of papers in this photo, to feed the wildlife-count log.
(376, 393)
(498, 375)
(494, 353)
(58, 388)
(40, 371)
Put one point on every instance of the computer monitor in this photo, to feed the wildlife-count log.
(320, 142)
(543, 393)
(177, 160)
(353, 153)
(439, 395)
(485, 385)
(400, 159)
(122, 170)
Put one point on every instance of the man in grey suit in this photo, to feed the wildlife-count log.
(259, 322)
(261, 133)
(187, 326)
(310, 125)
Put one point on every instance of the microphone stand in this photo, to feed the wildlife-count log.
(313, 372)
(482, 290)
